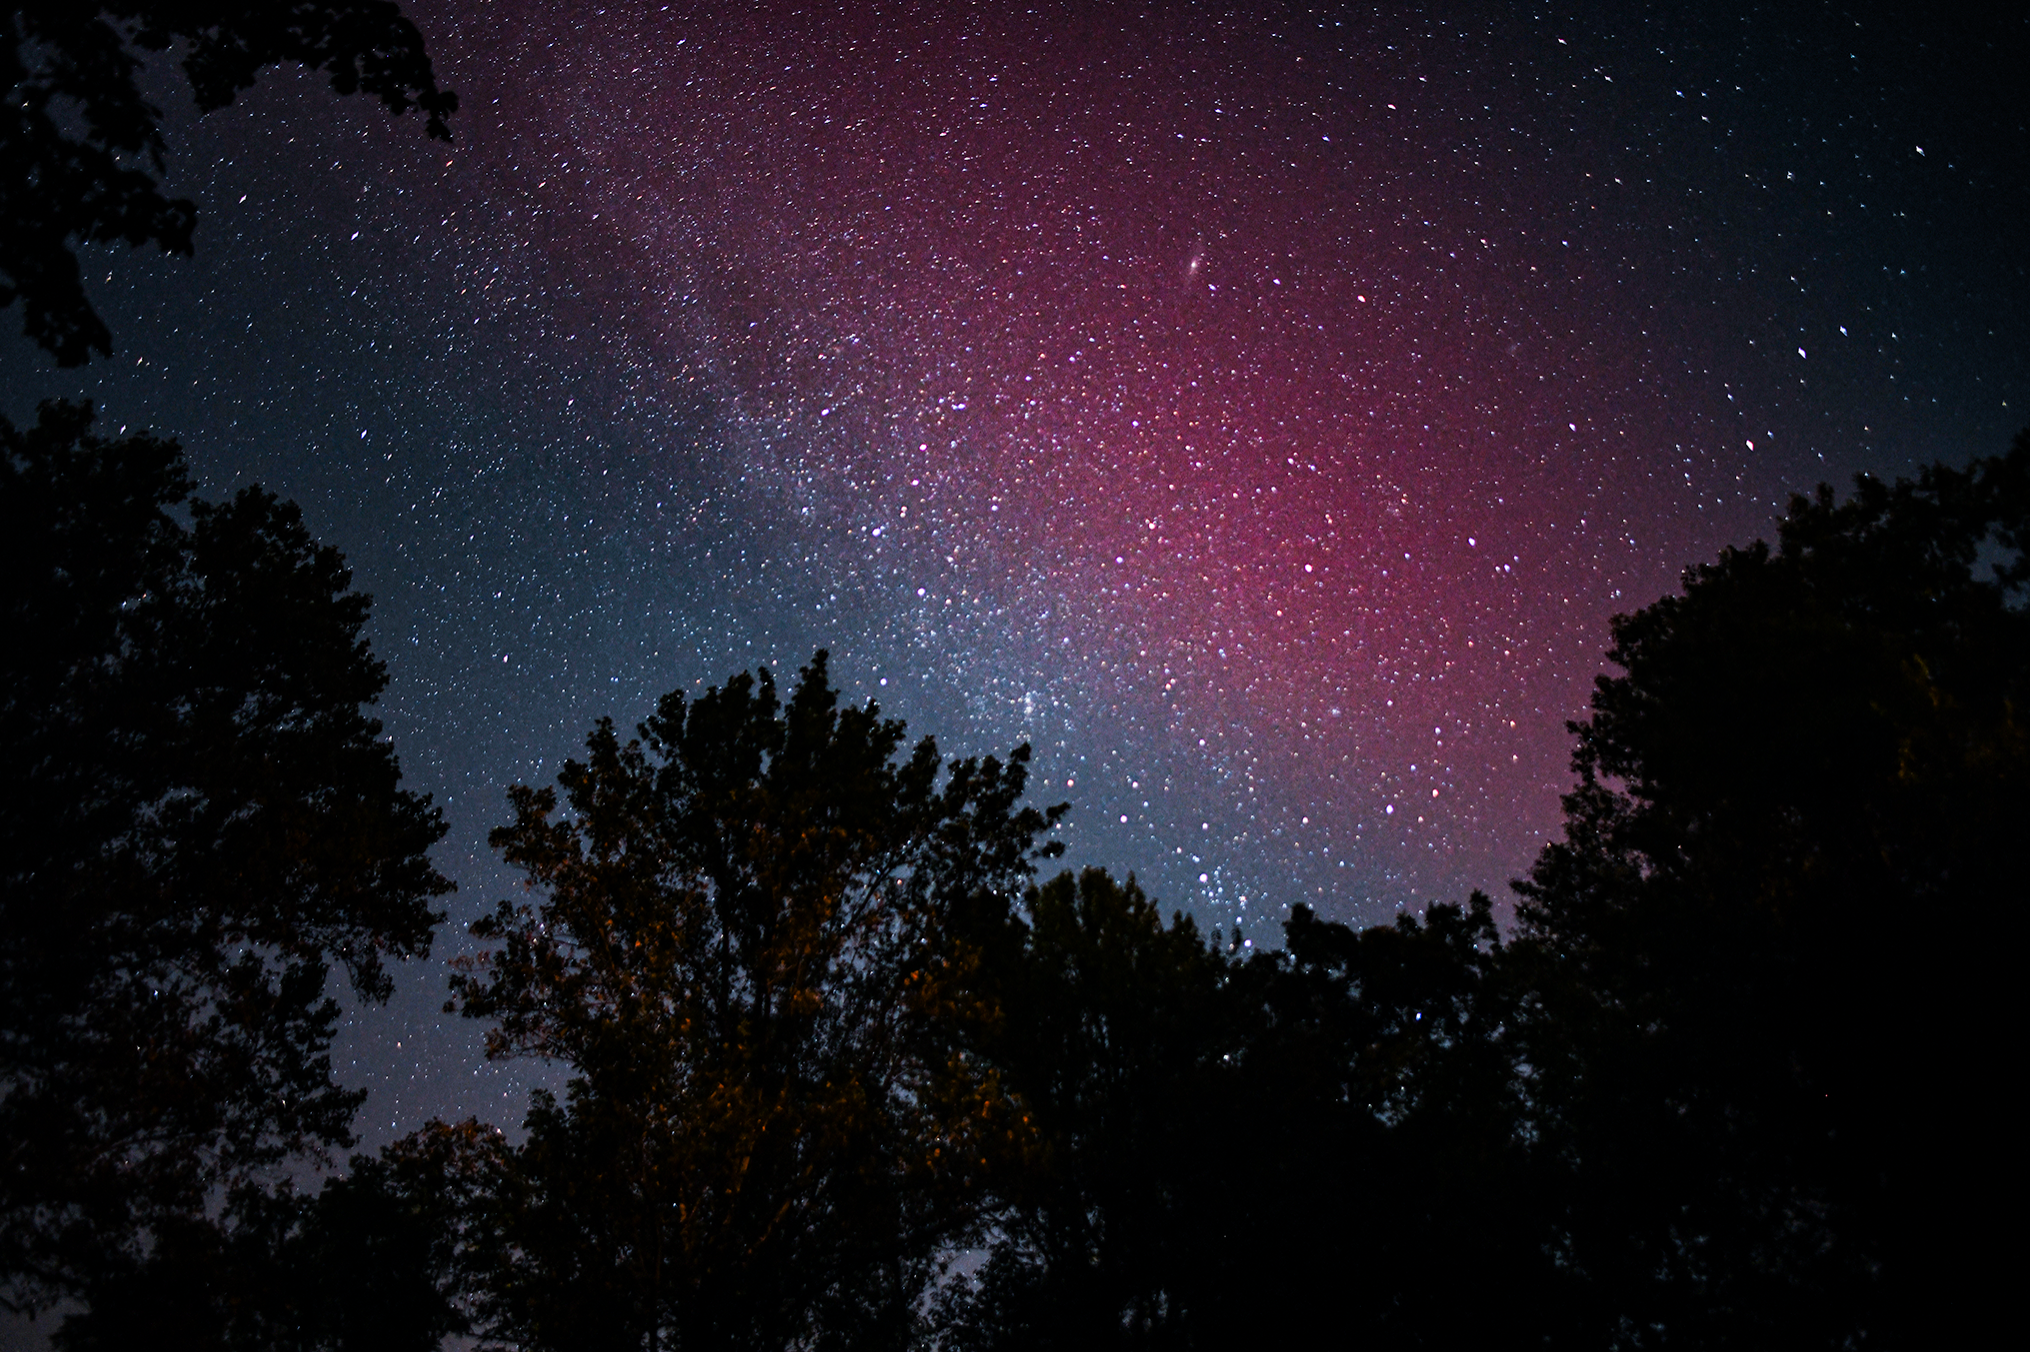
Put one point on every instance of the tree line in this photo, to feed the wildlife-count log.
(847, 1069)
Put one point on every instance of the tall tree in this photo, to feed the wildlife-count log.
(81, 146)
(1110, 1025)
(1771, 997)
(747, 941)
(197, 820)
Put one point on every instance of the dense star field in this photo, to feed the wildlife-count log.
(1262, 412)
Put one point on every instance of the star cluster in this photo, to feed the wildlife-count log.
(1261, 411)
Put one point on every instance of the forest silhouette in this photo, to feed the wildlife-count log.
(846, 1069)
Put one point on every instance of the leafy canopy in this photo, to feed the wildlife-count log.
(1768, 951)
(197, 819)
(747, 939)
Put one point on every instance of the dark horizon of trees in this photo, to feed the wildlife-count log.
(847, 1073)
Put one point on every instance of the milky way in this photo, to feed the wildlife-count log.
(1262, 414)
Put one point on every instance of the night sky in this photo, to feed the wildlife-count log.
(1260, 411)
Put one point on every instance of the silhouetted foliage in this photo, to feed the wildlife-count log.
(1249, 1150)
(1731, 1086)
(361, 1266)
(844, 1077)
(80, 145)
(1389, 1199)
(744, 943)
(1769, 991)
(1109, 1027)
(198, 819)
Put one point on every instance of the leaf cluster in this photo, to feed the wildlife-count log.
(81, 146)
(197, 820)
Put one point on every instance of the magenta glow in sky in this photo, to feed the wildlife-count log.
(1262, 411)
(1280, 403)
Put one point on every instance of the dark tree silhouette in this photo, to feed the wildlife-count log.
(1110, 1027)
(747, 943)
(361, 1266)
(1283, 1149)
(1772, 978)
(368, 1263)
(1735, 1083)
(196, 820)
(1389, 1200)
(80, 146)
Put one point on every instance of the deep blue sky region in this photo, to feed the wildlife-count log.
(1261, 411)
